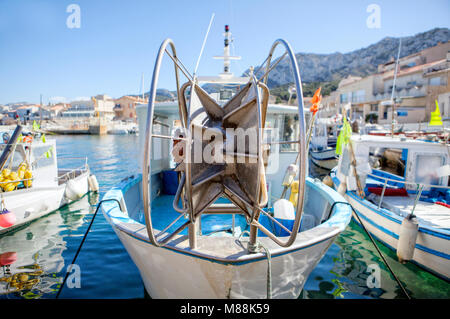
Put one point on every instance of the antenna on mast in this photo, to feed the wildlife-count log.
(226, 53)
(203, 45)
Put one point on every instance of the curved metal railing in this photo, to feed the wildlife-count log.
(301, 141)
(257, 208)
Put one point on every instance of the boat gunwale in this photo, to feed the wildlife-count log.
(436, 232)
(336, 223)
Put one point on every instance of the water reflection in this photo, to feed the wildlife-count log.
(38, 254)
(347, 270)
(32, 257)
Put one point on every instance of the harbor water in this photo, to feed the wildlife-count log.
(351, 268)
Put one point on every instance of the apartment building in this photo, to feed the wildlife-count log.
(125, 107)
(421, 79)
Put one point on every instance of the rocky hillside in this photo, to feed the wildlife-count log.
(362, 62)
(327, 69)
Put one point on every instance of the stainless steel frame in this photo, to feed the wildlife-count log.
(252, 211)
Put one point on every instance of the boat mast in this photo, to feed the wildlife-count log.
(226, 54)
(393, 87)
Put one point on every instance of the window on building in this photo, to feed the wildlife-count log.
(344, 98)
(374, 107)
(358, 96)
(436, 81)
(385, 113)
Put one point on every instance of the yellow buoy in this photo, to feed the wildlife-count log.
(8, 187)
(6, 172)
(294, 192)
(14, 177)
(28, 174)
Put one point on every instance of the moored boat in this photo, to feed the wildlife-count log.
(322, 148)
(403, 196)
(31, 183)
(209, 228)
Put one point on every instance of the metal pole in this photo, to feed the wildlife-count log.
(393, 86)
(419, 193)
(382, 193)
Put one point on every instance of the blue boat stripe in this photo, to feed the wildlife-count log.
(383, 212)
(323, 158)
(412, 261)
(394, 235)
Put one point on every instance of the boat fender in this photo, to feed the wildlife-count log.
(7, 218)
(93, 184)
(283, 209)
(407, 239)
(342, 188)
(74, 190)
(328, 181)
(284, 213)
(294, 193)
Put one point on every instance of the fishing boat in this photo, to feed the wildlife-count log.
(121, 128)
(322, 148)
(402, 196)
(202, 227)
(32, 184)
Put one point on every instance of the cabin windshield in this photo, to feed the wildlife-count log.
(17, 158)
(289, 131)
(390, 160)
(222, 92)
(426, 165)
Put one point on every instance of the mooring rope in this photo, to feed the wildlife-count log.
(375, 245)
(82, 242)
(259, 247)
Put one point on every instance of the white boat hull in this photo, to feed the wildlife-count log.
(117, 132)
(222, 267)
(432, 249)
(326, 159)
(170, 274)
(31, 203)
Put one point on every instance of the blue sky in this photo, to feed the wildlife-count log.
(118, 40)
